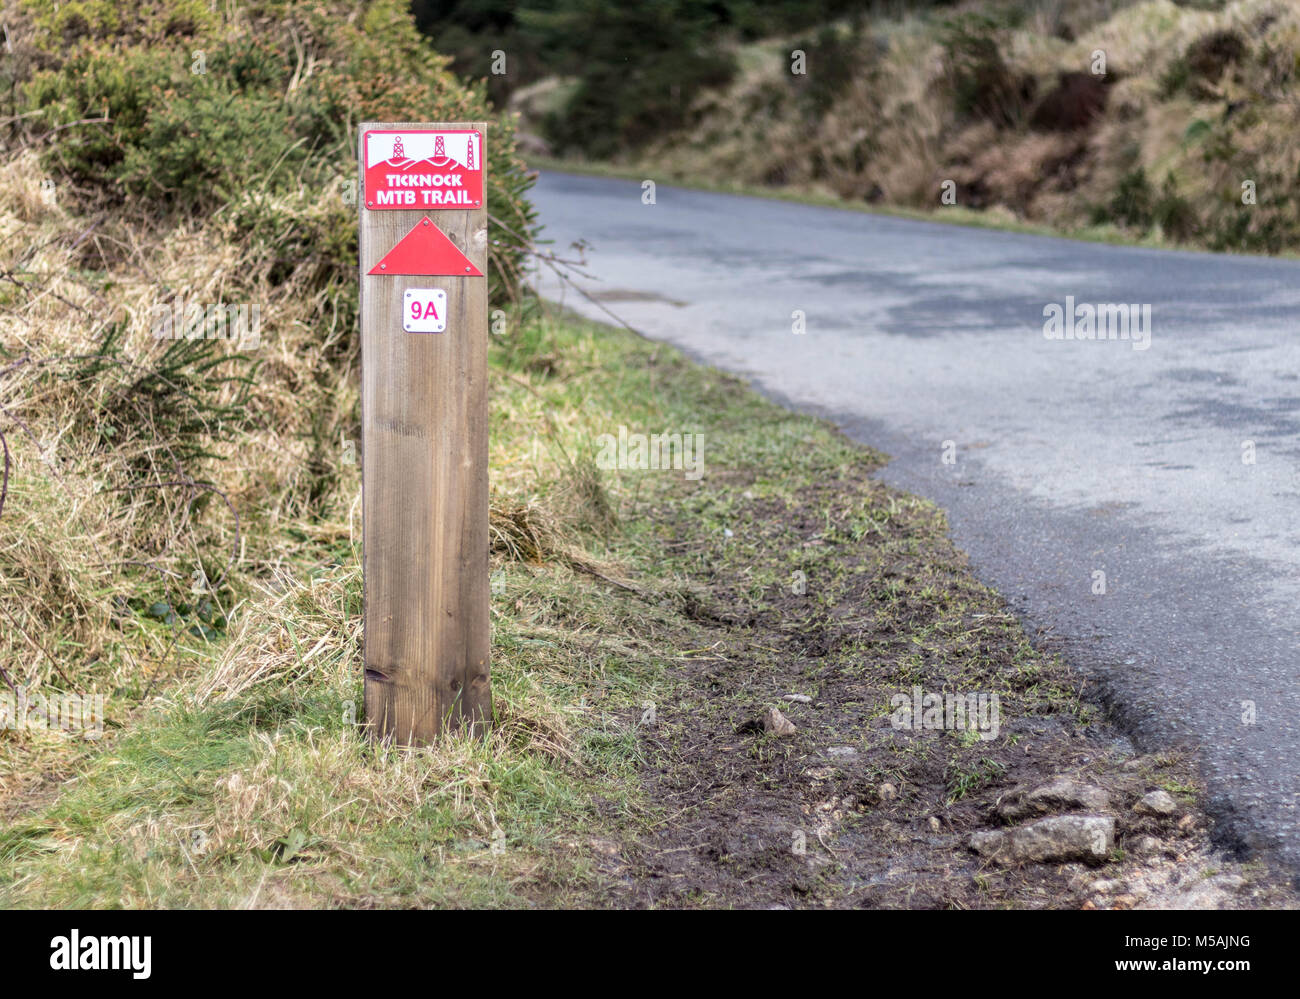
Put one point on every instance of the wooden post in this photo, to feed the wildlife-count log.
(424, 430)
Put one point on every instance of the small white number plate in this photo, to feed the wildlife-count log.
(424, 310)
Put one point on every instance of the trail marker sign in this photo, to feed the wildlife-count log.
(424, 429)
(424, 310)
(425, 250)
(423, 168)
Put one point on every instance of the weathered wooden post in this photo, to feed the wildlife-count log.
(424, 427)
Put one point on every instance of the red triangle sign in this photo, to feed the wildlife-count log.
(426, 250)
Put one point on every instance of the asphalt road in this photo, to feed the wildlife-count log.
(1072, 457)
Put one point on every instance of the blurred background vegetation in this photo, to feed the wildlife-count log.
(1183, 132)
(636, 68)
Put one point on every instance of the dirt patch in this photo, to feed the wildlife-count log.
(834, 604)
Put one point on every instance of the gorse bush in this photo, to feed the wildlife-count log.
(639, 68)
(1131, 205)
(982, 84)
(175, 107)
(835, 59)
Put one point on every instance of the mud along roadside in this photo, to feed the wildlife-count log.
(927, 751)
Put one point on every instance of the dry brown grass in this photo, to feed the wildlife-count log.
(101, 519)
(288, 629)
(524, 531)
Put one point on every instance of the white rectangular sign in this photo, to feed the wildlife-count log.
(424, 310)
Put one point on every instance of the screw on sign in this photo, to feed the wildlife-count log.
(423, 169)
(424, 428)
(425, 250)
(424, 310)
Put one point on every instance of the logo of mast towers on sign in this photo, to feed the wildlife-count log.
(424, 170)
